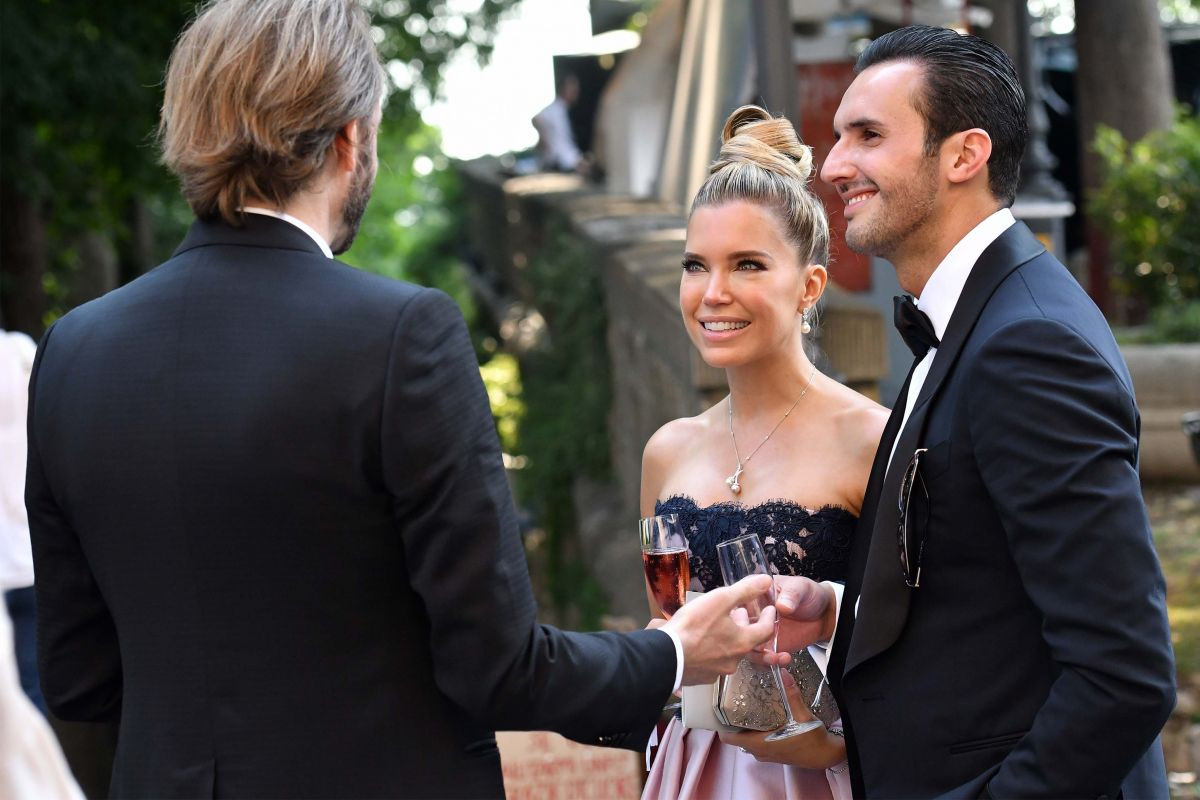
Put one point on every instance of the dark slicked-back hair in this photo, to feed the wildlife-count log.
(969, 83)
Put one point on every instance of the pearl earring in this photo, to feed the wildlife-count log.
(805, 327)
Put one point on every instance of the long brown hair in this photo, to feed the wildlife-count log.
(256, 92)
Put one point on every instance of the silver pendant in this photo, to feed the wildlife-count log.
(734, 480)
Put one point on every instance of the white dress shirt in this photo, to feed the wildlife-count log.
(941, 294)
(556, 144)
(938, 300)
(299, 223)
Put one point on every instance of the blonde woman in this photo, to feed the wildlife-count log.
(786, 455)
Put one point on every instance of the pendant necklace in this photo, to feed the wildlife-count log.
(734, 481)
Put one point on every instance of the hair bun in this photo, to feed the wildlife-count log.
(742, 118)
(752, 136)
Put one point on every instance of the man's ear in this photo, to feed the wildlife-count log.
(346, 144)
(966, 153)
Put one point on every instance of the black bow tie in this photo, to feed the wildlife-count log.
(914, 326)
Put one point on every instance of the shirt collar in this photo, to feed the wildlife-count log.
(940, 295)
(299, 223)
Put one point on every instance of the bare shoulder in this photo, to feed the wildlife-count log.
(671, 446)
(859, 424)
(671, 440)
(856, 427)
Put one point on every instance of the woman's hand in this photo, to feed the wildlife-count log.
(817, 749)
(807, 614)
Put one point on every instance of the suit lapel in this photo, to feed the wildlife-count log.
(862, 539)
(884, 595)
(1014, 247)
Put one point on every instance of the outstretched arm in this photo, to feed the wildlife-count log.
(457, 526)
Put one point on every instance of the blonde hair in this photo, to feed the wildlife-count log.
(763, 161)
(257, 91)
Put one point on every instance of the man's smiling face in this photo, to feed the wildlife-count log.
(879, 165)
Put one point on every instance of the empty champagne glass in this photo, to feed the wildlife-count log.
(745, 556)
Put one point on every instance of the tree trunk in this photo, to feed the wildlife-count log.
(97, 271)
(137, 254)
(23, 258)
(1124, 81)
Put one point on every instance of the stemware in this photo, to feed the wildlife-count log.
(745, 556)
(665, 561)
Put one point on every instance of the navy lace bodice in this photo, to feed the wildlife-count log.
(797, 540)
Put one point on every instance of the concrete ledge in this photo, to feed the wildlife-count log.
(1166, 379)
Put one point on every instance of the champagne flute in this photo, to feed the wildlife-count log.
(745, 556)
(665, 561)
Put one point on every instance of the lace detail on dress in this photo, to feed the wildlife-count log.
(798, 540)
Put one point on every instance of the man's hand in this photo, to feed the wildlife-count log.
(807, 614)
(713, 642)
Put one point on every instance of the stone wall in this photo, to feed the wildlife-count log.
(1166, 378)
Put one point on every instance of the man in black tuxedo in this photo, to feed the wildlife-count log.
(271, 527)
(1003, 630)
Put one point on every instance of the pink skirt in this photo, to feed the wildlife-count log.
(694, 764)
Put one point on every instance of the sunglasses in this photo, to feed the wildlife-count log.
(911, 547)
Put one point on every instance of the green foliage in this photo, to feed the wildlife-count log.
(1173, 322)
(80, 98)
(412, 228)
(567, 376)
(415, 39)
(81, 95)
(502, 377)
(80, 104)
(567, 391)
(1148, 202)
(1176, 323)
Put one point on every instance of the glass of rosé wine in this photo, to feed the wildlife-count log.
(665, 560)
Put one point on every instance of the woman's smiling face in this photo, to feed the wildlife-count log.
(742, 288)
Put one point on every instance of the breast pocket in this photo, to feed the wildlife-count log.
(935, 460)
(924, 494)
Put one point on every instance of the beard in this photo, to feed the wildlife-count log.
(357, 198)
(902, 212)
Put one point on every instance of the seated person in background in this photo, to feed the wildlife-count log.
(556, 148)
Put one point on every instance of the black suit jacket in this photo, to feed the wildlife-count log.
(1036, 653)
(272, 534)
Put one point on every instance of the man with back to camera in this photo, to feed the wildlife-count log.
(1003, 631)
(272, 532)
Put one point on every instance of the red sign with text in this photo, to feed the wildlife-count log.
(545, 766)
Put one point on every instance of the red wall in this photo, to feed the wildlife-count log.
(820, 87)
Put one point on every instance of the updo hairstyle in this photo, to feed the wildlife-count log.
(763, 161)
